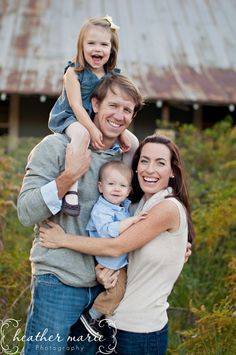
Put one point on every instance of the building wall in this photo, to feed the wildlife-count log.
(33, 116)
(145, 121)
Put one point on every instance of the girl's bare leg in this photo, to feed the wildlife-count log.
(78, 133)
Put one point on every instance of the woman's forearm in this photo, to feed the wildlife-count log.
(92, 246)
(163, 217)
(160, 218)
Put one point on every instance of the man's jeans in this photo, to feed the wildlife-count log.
(54, 308)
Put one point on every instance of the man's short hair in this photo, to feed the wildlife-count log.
(125, 84)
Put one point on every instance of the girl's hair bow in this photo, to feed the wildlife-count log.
(112, 25)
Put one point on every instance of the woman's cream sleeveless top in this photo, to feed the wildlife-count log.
(152, 272)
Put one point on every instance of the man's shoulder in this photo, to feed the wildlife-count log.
(52, 143)
(55, 138)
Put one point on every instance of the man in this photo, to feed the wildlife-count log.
(64, 282)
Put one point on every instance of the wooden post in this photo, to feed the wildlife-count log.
(13, 122)
(165, 117)
(165, 113)
(197, 118)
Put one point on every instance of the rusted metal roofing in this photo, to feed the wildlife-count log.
(173, 49)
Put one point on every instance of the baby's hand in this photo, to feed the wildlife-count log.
(96, 138)
(107, 277)
(125, 142)
(140, 216)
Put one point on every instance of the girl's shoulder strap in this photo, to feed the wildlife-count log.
(114, 71)
(68, 65)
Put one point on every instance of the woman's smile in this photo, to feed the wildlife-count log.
(150, 179)
(154, 168)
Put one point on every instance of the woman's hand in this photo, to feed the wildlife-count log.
(188, 251)
(52, 237)
(107, 277)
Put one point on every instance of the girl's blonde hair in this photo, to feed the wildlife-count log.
(105, 22)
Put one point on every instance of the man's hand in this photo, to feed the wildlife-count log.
(106, 277)
(77, 167)
(74, 167)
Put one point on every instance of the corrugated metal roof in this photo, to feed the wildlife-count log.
(173, 49)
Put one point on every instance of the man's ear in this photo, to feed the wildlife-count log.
(95, 104)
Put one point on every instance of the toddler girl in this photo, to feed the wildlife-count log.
(97, 50)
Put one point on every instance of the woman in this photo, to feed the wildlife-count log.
(156, 244)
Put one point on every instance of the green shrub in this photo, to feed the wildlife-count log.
(15, 240)
(206, 288)
(202, 313)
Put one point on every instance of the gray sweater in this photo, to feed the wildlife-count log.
(45, 163)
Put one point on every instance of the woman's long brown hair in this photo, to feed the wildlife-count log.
(178, 183)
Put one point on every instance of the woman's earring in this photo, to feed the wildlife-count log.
(172, 177)
(136, 171)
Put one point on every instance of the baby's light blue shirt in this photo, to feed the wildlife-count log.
(104, 222)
